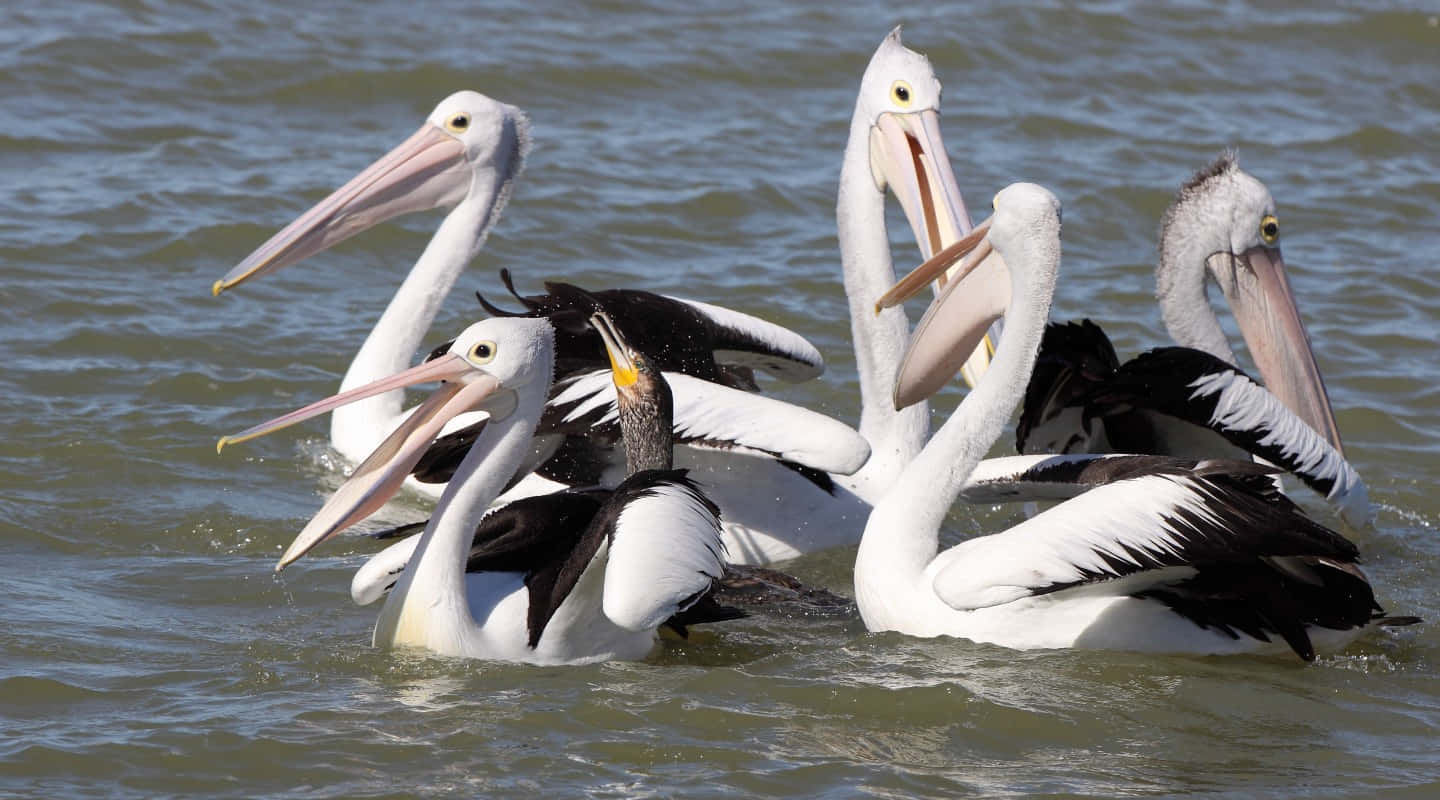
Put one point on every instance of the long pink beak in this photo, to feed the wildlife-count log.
(447, 367)
(909, 152)
(380, 476)
(425, 171)
(956, 322)
(463, 387)
(1265, 311)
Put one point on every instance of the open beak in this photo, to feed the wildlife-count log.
(956, 322)
(426, 171)
(1265, 311)
(380, 476)
(908, 155)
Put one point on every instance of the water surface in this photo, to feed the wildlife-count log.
(148, 146)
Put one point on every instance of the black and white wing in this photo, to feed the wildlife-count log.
(677, 335)
(665, 551)
(1199, 389)
(747, 341)
(1226, 551)
(1011, 479)
(710, 416)
(521, 536)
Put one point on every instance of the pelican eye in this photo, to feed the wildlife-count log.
(1269, 229)
(482, 352)
(458, 122)
(901, 93)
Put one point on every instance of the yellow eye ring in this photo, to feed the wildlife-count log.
(458, 122)
(1269, 229)
(902, 94)
(482, 352)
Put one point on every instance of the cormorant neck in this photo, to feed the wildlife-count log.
(646, 423)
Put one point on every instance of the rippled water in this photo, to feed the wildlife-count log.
(148, 146)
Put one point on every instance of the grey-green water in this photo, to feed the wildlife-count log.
(146, 649)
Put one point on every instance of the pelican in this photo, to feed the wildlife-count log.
(894, 144)
(1210, 560)
(1175, 400)
(644, 423)
(466, 156)
(597, 588)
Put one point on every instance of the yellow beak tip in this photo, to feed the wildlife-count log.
(217, 288)
(220, 445)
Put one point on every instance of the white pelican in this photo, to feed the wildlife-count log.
(467, 154)
(1191, 400)
(596, 589)
(894, 144)
(1211, 560)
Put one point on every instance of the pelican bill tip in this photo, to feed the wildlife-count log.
(288, 558)
(217, 287)
(220, 445)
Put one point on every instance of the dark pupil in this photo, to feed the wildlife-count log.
(902, 93)
(460, 122)
(482, 351)
(1271, 229)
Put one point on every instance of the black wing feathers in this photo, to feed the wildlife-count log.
(1074, 358)
(675, 336)
(440, 460)
(1162, 380)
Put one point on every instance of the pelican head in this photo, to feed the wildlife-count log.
(1223, 224)
(470, 148)
(899, 107)
(900, 100)
(1023, 231)
(484, 369)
